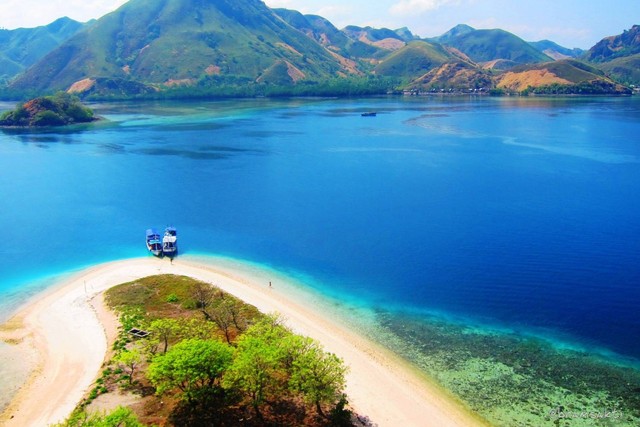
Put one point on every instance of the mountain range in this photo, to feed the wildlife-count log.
(21, 48)
(163, 46)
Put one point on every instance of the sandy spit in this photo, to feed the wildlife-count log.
(68, 329)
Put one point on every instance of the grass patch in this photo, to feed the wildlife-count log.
(158, 296)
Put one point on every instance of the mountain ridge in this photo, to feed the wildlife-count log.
(147, 47)
(556, 51)
(491, 45)
(174, 40)
(618, 56)
(23, 47)
(610, 48)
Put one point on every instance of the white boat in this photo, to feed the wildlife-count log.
(170, 241)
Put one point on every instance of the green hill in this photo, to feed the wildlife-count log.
(244, 48)
(489, 45)
(168, 42)
(626, 69)
(325, 33)
(556, 51)
(619, 56)
(406, 34)
(23, 47)
(457, 31)
(413, 60)
(380, 37)
(620, 46)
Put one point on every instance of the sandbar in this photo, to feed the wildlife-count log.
(69, 330)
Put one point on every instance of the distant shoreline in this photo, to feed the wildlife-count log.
(407, 94)
(71, 316)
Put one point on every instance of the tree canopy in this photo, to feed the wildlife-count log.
(193, 366)
(212, 359)
(57, 110)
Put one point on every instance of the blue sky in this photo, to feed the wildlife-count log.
(571, 23)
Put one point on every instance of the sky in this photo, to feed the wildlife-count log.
(570, 23)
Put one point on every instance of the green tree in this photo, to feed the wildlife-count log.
(165, 330)
(48, 118)
(194, 366)
(318, 375)
(79, 114)
(258, 367)
(129, 360)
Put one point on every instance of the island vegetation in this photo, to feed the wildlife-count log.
(56, 110)
(210, 359)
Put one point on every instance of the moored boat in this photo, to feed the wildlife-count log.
(369, 114)
(154, 244)
(170, 241)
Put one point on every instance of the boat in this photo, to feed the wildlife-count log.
(154, 244)
(369, 114)
(170, 241)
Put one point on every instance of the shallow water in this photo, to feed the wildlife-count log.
(516, 216)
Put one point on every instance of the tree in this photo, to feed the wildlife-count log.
(165, 330)
(238, 314)
(226, 314)
(318, 375)
(223, 310)
(129, 360)
(258, 369)
(271, 359)
(204, 295)
(48, 118)
(80, 114)
(220, 315)
(194, 366)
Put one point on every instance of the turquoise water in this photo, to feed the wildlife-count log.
(516, 216)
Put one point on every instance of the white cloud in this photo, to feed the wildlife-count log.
(412, 7)
(33, 13)
(339, 16)
(339, 13)
(287, 4)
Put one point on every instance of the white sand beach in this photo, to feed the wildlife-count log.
(69, 328)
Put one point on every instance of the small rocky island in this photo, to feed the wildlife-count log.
(57, 110)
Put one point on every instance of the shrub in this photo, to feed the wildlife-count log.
(79, 114)
(47, 118)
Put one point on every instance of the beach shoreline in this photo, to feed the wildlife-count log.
(69, 329)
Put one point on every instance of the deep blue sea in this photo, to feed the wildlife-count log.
(521, 213)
